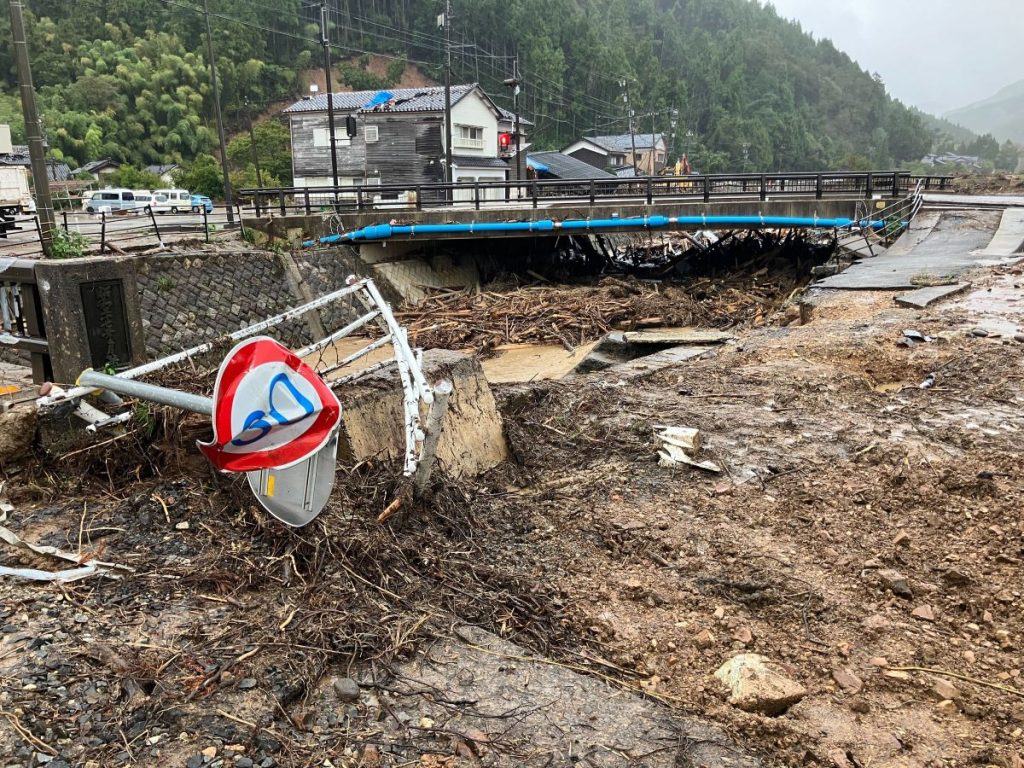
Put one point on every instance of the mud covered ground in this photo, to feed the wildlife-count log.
(235, 636)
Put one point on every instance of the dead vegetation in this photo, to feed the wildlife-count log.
(840, 469)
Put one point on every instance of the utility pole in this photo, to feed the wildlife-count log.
(624, 84)
(653, 153)
(220, 119)
(448, 175)
(33, 130)
(515, 83)
(252, 141)
(330, 96)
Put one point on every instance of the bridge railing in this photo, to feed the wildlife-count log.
(542, 193)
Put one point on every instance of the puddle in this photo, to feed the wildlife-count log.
(998, 309)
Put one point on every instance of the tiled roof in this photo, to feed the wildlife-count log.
(473, 161)
(98, 164)
(510, 117)
(402, 100)
(567, 167)
(624, 143)
(160, 170)
(55, 171)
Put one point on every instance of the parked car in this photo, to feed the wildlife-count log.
(180, 200)
(143, 201)
(160, 203)
(199, 202)
(110, 200)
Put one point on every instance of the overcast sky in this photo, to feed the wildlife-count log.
(934, 54)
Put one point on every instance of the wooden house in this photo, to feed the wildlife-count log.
(399, 138)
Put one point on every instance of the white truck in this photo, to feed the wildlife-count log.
(15, 195)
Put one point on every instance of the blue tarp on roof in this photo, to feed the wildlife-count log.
(537, 165)
(381, 97)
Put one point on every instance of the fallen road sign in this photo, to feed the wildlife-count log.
(296, 494)
(270, 409)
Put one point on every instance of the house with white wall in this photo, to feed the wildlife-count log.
(398, 137)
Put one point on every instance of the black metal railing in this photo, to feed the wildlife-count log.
(536, 193)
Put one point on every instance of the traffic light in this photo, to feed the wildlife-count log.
(350, 126)
(504, 141)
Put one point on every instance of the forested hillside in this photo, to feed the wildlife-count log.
(128, 78)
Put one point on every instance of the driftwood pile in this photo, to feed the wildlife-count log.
(575, 315)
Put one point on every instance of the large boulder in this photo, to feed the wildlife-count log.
(759, 685)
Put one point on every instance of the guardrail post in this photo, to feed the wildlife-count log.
(818, 188)
(764, 187)
(533, 192)
(280, 198)
(305, 197)
(152, 217)
(707, 189)
(359, 198)
(591, 192)
(870, 188)
(419, 198)
(103, 231)
(64, 215)
(896, 184)
(256, 202)
(206, 224)
(650, 190)
(476, 195)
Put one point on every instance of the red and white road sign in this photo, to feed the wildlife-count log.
(270, 409)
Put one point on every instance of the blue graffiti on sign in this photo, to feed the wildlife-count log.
(258, 419)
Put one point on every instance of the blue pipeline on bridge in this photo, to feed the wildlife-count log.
(551, 227)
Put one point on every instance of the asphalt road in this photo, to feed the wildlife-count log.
(122, 230)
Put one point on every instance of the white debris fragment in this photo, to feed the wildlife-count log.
(680, 445)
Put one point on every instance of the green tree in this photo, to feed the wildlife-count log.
(274, 150)
(202, 177)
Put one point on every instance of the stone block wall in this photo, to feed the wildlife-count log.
(187, 299)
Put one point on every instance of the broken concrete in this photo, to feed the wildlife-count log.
(677, 336)
(472, 440)
(925, 297)
(542, 712)
(759, 685)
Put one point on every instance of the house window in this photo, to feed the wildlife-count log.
(321, 138)
(468, 137)
(372, 133)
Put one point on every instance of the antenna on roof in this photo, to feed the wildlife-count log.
(314, 89)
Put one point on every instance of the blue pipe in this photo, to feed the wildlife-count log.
(376, 232)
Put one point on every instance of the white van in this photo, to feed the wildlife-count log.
(109, 200)
(179, 200)
(160, 203)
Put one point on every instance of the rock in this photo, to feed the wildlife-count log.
(371, 757)
(704, 639)
(246, 683)
(946, 707)
(945, 689)
(196, 761)
(210, 752)
(969, 657)
(243, 762)
(895, 582)
(860, 706)
(902, 539)
(878, 661)
(876, 621)
(1019, 337)
(719, 613)
(923, 612)
(182, 526)
(347, 689)
(979, 332)
(17, 433)
(848, 681)
(759, 685)
(743, 635)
